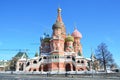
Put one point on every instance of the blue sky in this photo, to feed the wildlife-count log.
(22, 22)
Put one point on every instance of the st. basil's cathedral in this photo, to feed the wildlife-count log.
(58, 53)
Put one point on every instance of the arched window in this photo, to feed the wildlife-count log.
(80, 69)
(44, 57)
(82, 62)
(68, 67)
(20, 64)
(30, 69)
(21, 67)
(73, 58)
(88, 63)
(40, 59)
(68, 57)
(78, 61)
(74, 68)
(34, 69)
(35, 62)
(45, 67)
(40, 68)
(28, 64)
(55, 57)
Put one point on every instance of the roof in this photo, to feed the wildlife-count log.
(79, 53)
(59, 20)
(57, 25)
(79, 57)
(69, 38)
(3, 62)
(34, 58)
(76, 33)
(21, 55)
(46, 40)
(88, 59)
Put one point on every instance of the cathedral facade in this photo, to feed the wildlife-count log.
(59, 52)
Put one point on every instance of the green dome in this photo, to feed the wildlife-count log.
(46, 40)
(69, 38)
(56, 25)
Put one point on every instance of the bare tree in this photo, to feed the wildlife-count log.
(104, 56)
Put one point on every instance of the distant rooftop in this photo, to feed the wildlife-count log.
(21, 55)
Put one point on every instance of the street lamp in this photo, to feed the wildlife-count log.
(92, 67)
(92, 61)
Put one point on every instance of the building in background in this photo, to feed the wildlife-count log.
(18, 62)
(4, 65)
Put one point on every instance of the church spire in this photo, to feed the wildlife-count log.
(92, 55)
(59, 18)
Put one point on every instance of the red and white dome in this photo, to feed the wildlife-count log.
(76, 33)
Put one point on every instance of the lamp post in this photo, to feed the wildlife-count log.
(92, 69)
(92, 61)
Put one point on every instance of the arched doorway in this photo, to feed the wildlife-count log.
(73, 58)
(45, 67)
(74, 68)
(21, 66)
(80, 69)
(40, 68)
(68, 67)
(28, 64)
(30, 69)
(34, 70)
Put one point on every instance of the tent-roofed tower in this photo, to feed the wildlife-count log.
(59, 19)
(57, 44)
(77, 44)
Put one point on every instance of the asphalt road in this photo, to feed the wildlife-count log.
(37, 77)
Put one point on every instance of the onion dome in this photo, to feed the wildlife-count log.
(46, 40)
(56, 25)
(58, 21)
(69, 38)
(76, 33)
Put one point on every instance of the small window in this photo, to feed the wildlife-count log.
(28, 64)
(35, 62)
(34, 70)
(55, 57)
(44, 57)
(40, 59)
(68, 57)
(20, 64)
(73, 58)
(30, 69)
(82, 62)
(78, 61)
